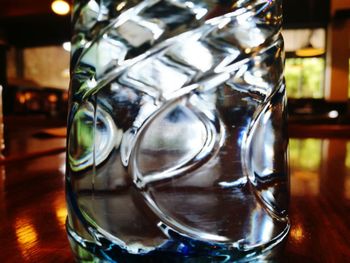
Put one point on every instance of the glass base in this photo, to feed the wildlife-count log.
(105, 252)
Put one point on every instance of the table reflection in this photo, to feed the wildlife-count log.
(33, 211)
(320, 175)
(27, 236)
(320, 165)
(305, 161)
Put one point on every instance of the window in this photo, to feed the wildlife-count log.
(305, 77)
(38, 67)
(305, 63)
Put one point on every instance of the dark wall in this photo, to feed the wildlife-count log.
(46, 29)
(306, 13)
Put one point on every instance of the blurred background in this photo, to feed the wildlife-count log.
(34, 74)
(34, 60)
(34, 64)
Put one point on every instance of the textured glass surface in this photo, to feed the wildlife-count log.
(176, 139)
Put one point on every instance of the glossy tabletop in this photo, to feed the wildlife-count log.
(32, 204)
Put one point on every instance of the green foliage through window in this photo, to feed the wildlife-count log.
(305, 77)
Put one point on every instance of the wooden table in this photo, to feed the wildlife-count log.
(32, 204)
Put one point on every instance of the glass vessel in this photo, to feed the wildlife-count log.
(176, 148)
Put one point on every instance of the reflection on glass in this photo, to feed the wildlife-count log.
(305, 77)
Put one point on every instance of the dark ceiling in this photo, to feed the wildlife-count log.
(31, 22)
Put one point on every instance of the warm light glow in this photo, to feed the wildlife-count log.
(65, 97)
(309, 52)
(60, 7)
(61, 215)
(66, 46)
(65, 73)
(27, 237)
(61, 210)
(21, 98)
(52, 98)
(28, 95)
(297, 233)
(120, 6)
(305, 183)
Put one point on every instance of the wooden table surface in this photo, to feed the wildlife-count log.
(32, 204)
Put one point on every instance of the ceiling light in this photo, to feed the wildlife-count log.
(60, 7)
(310, 51)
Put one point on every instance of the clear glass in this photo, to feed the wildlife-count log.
(177, 131)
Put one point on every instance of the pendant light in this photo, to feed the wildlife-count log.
(60, 7)
(310, 50)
